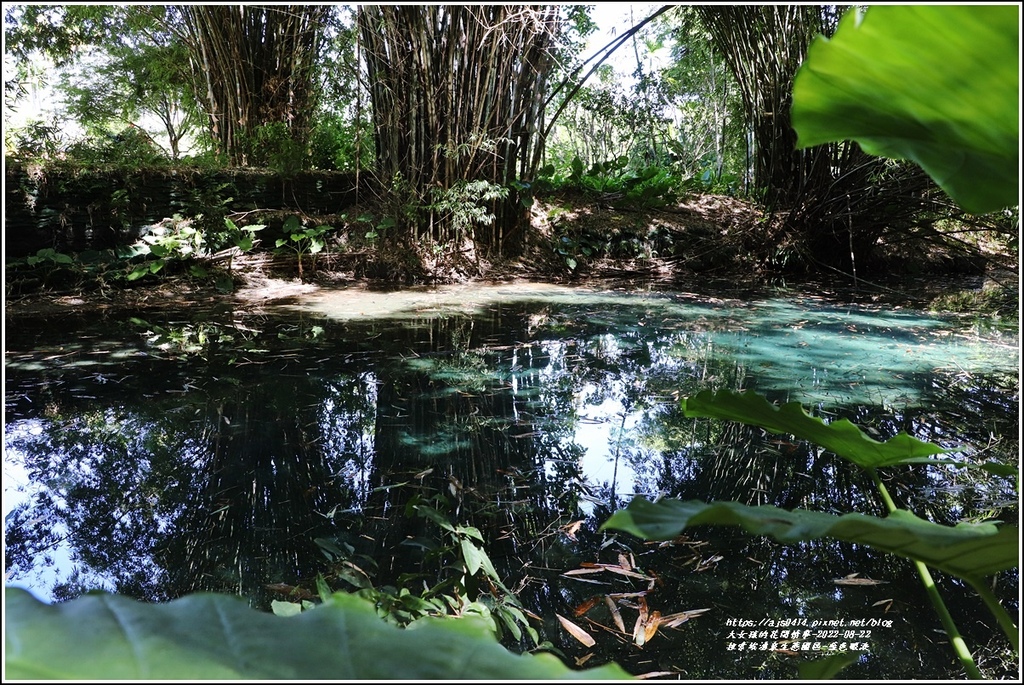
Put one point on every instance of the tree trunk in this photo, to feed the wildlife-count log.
(835, 200)
(257, 66)
(457, 97)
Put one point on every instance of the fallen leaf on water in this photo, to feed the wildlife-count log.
(587, 606)
(853, 580)
(629, 574)
(651, 628)
(886, 602)
(570, 529)
(616, 614)
(679, 618)
(589, 580)
(640, 627)
(574, 630)
(705, 564)
(283, 588)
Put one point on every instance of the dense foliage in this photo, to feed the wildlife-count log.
(455, 119)
(252, 77)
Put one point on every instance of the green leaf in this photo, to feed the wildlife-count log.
(138, 272)
(841, 437)
(488, 567)
(471, 555)
(291, 224)
(435, 516)
(353, 574)
(966, 550)
(285, 608)
(219, 637)
(935, 84)
(322, 588)
(510, 621)
(331, 549)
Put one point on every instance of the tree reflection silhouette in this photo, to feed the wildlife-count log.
(159, 473)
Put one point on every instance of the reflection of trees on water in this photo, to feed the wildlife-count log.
(205, 493)
(259, 501)
(203, 474)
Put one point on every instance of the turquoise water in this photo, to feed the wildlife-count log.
(234, 449)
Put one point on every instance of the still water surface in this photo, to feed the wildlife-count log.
(236, 449)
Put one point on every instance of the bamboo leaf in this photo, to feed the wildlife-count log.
(616, 614)
(471, 554)
(577, 632)
(586, 606)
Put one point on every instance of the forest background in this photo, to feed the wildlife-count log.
(462, 107)
(438, 143)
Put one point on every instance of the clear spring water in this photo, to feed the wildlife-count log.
(232, 449)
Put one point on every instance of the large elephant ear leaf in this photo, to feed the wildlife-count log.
(935, 84)
(219, 637)
(970, 551)
(841, 437)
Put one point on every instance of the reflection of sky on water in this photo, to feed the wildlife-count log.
(605, 431)
(643, 345)
(57, 566)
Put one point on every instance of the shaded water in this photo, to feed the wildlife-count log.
(232, 450)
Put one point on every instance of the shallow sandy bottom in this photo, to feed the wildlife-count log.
(363, 302)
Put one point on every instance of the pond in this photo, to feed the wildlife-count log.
(248, 450)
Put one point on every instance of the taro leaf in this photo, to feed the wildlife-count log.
(935, 84)
(208, 636)
(841, 437)
(966, 550)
